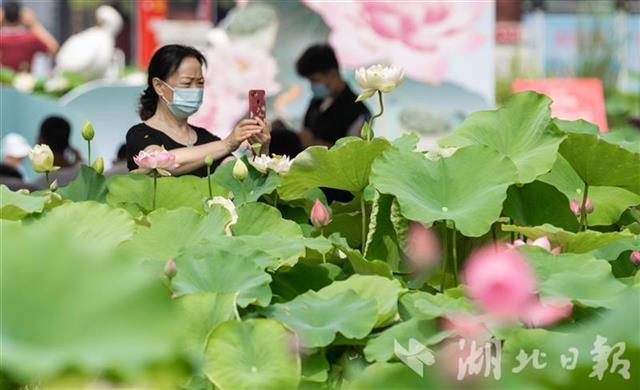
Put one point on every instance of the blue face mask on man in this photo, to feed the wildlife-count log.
(186, 101)
(320, 91)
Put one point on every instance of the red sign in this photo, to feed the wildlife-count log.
(572, 98)
(148, 10)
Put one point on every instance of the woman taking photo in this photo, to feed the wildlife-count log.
(174, 92)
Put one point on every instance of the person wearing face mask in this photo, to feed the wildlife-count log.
(333, 112)
(174, 92)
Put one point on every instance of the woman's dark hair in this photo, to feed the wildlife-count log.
(55, 132)
(164, 62)
(11, 11)
(318, 58)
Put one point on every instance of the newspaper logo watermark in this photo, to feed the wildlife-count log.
(416, 357)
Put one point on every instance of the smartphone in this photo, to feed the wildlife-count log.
(257, 106)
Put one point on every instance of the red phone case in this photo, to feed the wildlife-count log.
(257, 106)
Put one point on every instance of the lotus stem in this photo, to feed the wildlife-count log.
(494, 235)
(364, 221)
(583, 208)
(209, 181)
(445, 255)
(89, 152)
(155, 187)
(379, 114)
(275, 200)
(512, 234)
(454, 251)
(46, 177)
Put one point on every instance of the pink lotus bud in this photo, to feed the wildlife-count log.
(576, 206)
(170, 268)
(543, 313)
(422, 247)
(635, 258)
(556, 250)
(319, 214)
(588, 206)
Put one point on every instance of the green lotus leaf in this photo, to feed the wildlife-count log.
(285, 251)
(317, 319)
(359, 264)
(253, 354)
(381, 347)
(315, 368)
(344, 167)
(259, 218)
(396, 376)
(223, 266)
(158, 241)
(135, 192)
(383, 290)
(468, 188)
(581, 242)
(627, 137)
(90, 222)
(251, 188)
(574, 276)
(15, 206)
(88, 185)
(612, 251)
(425, 306)
(79, 309)
(537, 203)
(203, 312)
(608, 202)
(385, 224)
(600, 163)
(288, 284)
(520, 130)
(407, 142)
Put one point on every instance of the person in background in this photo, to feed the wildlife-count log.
(22, 36)
(333, 112)
(14, 149)
(55, 131)
(119, 166)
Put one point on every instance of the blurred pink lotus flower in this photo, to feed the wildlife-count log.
(501, 281)
(635, 258)
(159, 160)
(543, 313)
(319, 214)
(575, 206)
(466, 325)
(417, 36)
(542, 242)
(233, 69)
(422, 247)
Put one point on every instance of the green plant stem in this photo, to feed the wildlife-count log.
(512, 234)
(46, 177)
(275, 200)
(583, 208)
(454, 251)
(209, 181)
(89, 152)
(445, 255)
(494, 235)
(364, 221)
(372, 119)
(155, 187)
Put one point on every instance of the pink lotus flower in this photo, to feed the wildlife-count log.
(635, 258)
(542, 242)
(499, 280)
(417, 36)
(468, 326)
(543, 313)
(422, 247)
(158, 160)
(319, 214)
(575, 207)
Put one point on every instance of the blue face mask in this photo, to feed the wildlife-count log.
(186, 101)
(320, 91)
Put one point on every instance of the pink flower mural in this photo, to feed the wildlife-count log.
(417, 36)
(233, 69)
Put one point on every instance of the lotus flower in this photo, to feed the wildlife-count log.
(542, 242)
(543, 313)
(230, 207)
(240, 171)
(500, 281)
(24, 82)
(41, 158)
(635, 258)
(170, 268)
(261, 163)
(278, 164)
(319, 214)
(87, 131)
(378, 78)
(466, 325)
(422, 246)
(575, 207)
(158, 160)
(98, 165)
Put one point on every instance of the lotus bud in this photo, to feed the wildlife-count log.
(53, 186)
(98, 165)
(256, 148)
(240, 171)
(588, 206)
(319, 214)
(576, 206)
(87, 131)
(635, 258)
(208, 161)
(41, 158)
(170, 268)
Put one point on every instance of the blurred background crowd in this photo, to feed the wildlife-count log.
(67, 61)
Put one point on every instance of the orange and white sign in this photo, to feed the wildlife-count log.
(572, 98)
(148, 10)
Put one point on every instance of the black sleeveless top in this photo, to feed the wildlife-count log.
(142, 135)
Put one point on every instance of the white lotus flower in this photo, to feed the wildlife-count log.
(56, 84)
(280, 164)
(261, 163)
(42, 159)
(24, 82)
(230, 207)
(378, 78)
